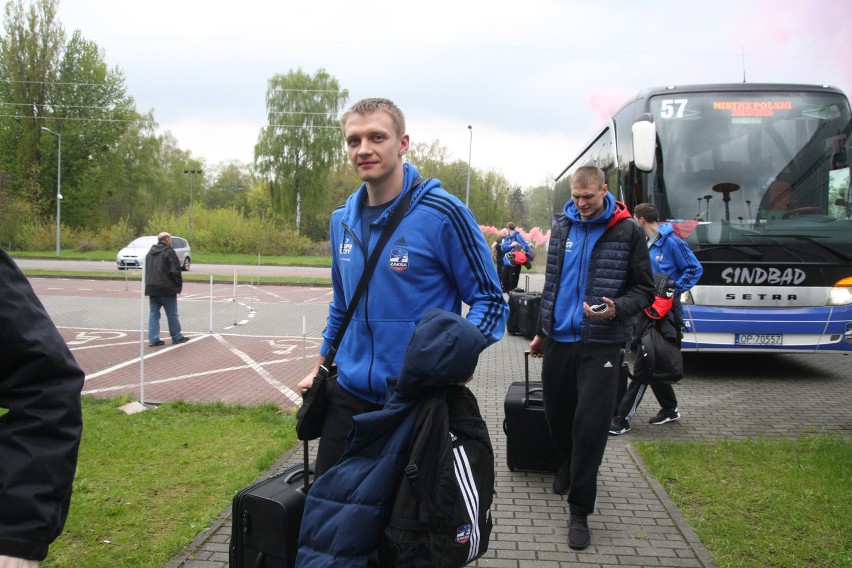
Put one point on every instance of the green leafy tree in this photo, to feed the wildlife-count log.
(302, 141)
(91, 110)
(539, 206)
(29, 53)
(231, 182)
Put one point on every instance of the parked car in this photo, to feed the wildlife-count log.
(133, 255)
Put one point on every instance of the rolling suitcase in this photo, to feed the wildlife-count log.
(528, 443)
(514, 310)
(523, 311)
(529, 306)
(266, 519)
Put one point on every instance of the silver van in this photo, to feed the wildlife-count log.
(133, 255)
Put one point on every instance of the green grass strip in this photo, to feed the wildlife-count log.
(148, 483)
(762, 503)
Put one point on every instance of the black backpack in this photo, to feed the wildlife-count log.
(441, 515)
(658, 355)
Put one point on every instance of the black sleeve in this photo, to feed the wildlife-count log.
(174, 270)
(40, 420)
(640, 281)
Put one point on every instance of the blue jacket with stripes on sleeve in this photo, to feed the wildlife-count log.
(436, 258)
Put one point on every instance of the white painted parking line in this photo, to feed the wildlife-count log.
(264, 374)
(135, 360)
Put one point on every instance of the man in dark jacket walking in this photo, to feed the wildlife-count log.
(163, 282)
(597, 257)
(40, 385)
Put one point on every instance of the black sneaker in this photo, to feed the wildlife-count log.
(664, 416)
(562, 482)
(619, 426)
(157, 343)
(578, 532)
(179, 340)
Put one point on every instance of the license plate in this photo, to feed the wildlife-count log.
(758, 339)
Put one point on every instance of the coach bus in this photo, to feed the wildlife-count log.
(755, 177)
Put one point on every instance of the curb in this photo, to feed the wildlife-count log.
(701, 553)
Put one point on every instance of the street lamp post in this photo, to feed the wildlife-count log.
(58, 181)
(469, 150)
(190, 172)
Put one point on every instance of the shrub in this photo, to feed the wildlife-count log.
(87, 244)
(116, 236)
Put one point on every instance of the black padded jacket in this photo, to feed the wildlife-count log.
(40, 431)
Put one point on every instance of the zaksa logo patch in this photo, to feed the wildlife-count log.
(398, 259)
(463, 534)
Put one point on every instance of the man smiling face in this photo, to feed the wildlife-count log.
(376, 150)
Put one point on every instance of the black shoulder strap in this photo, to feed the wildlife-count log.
(393, 222)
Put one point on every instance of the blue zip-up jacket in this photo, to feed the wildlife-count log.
(348, 506)
(436, 258)
(672, 256)
(587, 260)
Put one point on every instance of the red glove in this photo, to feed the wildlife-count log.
(659, 308)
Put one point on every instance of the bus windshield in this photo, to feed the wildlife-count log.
(756, 176)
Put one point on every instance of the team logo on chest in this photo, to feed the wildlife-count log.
(399, 255)
(659, 257)
(346, 246)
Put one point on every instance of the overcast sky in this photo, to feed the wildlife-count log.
(535, 79)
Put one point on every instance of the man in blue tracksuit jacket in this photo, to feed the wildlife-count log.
(597, 256)
(511, 242)
(436, 258)
(670, 255)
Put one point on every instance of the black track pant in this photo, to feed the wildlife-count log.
(635, 391)
(580, 382)
(343, 406)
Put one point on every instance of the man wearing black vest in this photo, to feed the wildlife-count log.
(597, 257)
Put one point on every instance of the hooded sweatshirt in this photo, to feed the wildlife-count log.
(437, 257)
(673, 257)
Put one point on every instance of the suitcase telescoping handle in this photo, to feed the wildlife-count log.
(527, 389)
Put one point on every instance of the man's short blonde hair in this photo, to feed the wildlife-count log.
(162, 237)
(366, 106)
(588, 177)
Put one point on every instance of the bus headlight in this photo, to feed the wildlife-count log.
(841, 294)
(686, 298)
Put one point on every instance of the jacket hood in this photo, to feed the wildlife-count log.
(355, 202)
(443, 351)
(158, 248)
(614, 211)
(665, 230)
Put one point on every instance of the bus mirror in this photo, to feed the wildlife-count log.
(644, 144)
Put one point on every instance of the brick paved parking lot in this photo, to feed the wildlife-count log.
(251, 344)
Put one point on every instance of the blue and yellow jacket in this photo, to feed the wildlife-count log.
(436, 258)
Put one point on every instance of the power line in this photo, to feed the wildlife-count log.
(55, 83)
(54, 105)
(75, 118)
